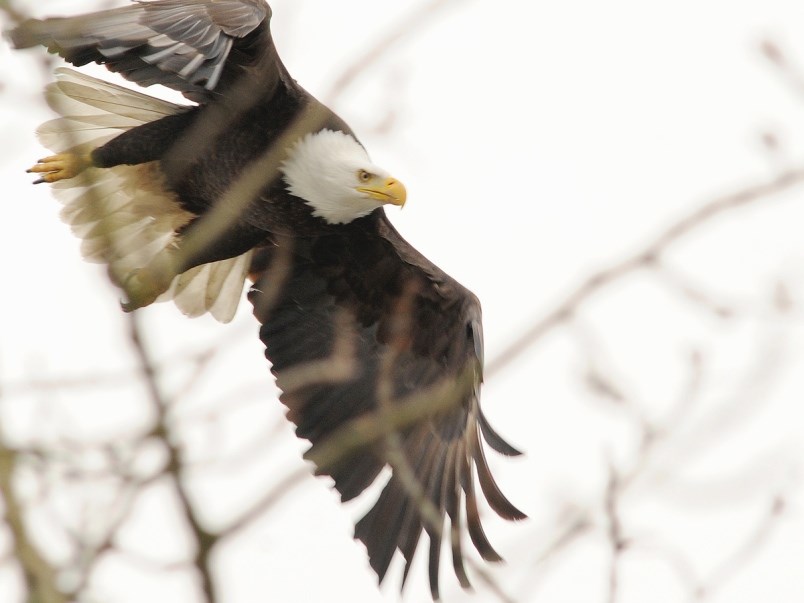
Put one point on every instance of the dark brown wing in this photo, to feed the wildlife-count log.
(357, 324)
(193, 46)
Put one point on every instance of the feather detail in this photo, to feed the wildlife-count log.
(182, 44)
(335, 307)
(124, 215)
(215, 288)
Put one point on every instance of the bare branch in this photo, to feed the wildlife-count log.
(40, 576)
(645, 258)
(420, 16)
(205, 541)
(615, 532)
(748, 550)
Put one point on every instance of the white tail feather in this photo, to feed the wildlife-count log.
(124, 215)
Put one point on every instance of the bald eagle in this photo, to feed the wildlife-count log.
(257, 179)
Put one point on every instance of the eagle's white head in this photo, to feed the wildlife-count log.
(332, 173)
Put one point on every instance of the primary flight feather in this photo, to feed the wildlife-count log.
(258, 179)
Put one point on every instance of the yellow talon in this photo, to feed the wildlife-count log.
(60, 167)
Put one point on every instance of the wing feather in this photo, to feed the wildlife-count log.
(183, 44)
(475, 527)
(366, 287)
(215, 288)
(125, 216)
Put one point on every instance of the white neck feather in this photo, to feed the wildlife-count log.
(321, 169)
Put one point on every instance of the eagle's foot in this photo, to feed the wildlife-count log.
(144, 285)
(60, 167)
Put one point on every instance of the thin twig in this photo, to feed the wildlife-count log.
(40, 576)
(615, 535)
(205, 540)
(420, 16)
(747, 551)
(644, 258)
(268, 500)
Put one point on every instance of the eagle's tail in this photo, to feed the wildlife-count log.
(124, 215)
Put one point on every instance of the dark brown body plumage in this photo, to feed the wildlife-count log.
(377, 321)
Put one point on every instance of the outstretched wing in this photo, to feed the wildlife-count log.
(126, 216)
(369, 340)
(193, 46)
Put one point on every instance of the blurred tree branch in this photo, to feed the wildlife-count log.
(649, 257)
(41, 576)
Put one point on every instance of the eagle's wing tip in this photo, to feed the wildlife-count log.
(25, 34)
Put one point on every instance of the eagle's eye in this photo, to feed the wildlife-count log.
(363, 176)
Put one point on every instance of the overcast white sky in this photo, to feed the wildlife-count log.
(539, 141)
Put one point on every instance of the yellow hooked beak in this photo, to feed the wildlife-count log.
(385, 190)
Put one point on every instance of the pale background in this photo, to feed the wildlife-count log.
(540, 142)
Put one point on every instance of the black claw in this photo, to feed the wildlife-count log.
(39, 181)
